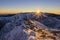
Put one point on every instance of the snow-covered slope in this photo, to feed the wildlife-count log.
(29, 26)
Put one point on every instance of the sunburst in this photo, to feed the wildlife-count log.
(37, 12)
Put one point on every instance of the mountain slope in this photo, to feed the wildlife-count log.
(29, 26)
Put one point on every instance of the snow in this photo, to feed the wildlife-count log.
(29, 26)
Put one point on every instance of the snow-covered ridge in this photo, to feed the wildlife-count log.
(29, 26)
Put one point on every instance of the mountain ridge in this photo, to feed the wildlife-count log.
(30, 26)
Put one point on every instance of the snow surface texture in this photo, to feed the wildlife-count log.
(29, 26)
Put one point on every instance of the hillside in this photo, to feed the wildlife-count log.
(29, 26)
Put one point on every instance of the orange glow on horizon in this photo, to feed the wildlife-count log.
(37, 11)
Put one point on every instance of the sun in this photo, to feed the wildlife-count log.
(38, 11)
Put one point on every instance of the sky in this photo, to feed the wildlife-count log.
(15, 6)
